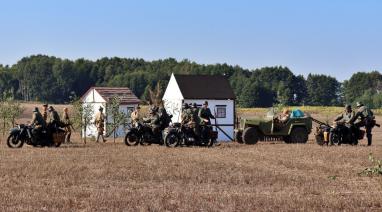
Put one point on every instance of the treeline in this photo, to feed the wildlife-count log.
(55, 80)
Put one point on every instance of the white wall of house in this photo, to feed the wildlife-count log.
(95, 99)
(229, 118)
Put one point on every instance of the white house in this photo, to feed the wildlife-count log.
(99, 97)
(197, 89)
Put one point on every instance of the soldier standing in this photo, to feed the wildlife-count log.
(68, 124)
(364, 117)
(100, 124)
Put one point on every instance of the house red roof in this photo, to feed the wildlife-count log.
(125, 94)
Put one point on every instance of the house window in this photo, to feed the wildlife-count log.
(221, 111)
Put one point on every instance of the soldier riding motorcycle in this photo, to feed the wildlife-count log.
(36, 134)
(189, 132)
(149, 130)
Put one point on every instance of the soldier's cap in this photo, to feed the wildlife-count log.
(359, 104)
(194, 105)
(35, 109)
(205, 103)
(185, 105)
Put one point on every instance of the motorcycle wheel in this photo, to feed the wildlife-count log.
(172, 140)
(131, 139)
(13, 142)
(334, 139)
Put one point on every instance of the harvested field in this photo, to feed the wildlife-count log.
(229, 177)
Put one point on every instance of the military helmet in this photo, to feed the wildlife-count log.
(359, 104)
(186, 106)
(348, 107)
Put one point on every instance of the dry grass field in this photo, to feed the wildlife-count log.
(230, 177)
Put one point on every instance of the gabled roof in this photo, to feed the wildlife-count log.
(125, 94)
(204, 87)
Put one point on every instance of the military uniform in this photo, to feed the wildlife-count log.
(205, 116)
(39, 124)
(67, 126)
(135, 116)
(344, 118)
(100, 124)
(364, 117)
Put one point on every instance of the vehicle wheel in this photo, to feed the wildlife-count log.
(239, 137)
(13, 142)
(320, 140)
(334, 139)
(287, 139)
(250, 135)
(172, 140)
(131, 139)
(299, 135)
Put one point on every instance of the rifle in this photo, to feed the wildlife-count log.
(320, 122)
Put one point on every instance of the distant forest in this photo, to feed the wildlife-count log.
(55, 80)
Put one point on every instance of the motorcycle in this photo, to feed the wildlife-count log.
(179, 134)
(142, 133)
(338, 134)
(24, 134)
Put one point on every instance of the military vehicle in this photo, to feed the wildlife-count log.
(269, 128)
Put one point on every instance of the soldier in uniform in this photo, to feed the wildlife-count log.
(364, 117)
(154, 120)
(186, 114)
(165, 119)
(38, 122)
(100, 124)
(343, 121)
(54, 121)
(67, 125)
(135, 115)
(195, 117)
(45, 112)
(205, 114)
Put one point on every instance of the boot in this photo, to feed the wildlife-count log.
(369, 139)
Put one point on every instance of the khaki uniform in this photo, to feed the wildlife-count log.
(345, 118)
(68, 130)
(364, 117)
(135, 116)
(100, 122)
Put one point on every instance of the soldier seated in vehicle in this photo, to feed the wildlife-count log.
(342, 122)
(38, 123)
(280, 120)
(54, 121)
(135, 115)
(153, 120)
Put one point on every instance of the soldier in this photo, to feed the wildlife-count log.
(364, 117)
(343, 121)
(186, 114)
(135, 115)
(165, 119)
(195, 117)
(67, 125)
(54, 119)
(38, 122)
(154, 120)
(45, 112)
(205, 114)
(100, 124)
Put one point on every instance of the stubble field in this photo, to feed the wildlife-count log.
(230, 177)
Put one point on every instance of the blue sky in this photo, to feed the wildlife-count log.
(336, 37)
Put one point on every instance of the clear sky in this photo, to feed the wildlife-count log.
(336, 37)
